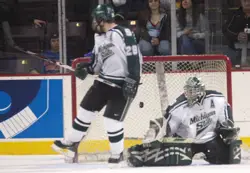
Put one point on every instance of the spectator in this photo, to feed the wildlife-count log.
(33, 71)
(191, 28)
(53, 54)
(153, 30)
(6, 40)
(233, 31)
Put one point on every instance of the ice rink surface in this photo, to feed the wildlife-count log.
(55, 164)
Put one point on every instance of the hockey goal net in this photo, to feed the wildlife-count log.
(162, 82)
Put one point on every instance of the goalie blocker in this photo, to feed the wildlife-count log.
(224, 149)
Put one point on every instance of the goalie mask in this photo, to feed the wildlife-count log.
(102, 13)
(194, 89)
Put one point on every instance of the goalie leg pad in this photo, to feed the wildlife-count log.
(136, 156)
(235, 152)
(218, 152)
(160, 154)
(229, 135)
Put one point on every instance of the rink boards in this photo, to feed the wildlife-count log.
(37, 109)
(32, 112)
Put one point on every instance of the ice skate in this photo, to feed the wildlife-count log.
(116, 161)
(68, 149)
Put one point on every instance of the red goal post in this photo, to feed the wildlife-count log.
(162, 81)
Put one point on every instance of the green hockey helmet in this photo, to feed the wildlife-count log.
(103, 12)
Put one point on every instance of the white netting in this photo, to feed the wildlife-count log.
(162, 81)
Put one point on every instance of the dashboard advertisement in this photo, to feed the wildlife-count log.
(31, 108)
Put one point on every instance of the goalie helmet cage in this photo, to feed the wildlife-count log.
(163, 78)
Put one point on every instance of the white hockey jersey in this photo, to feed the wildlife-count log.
(116, 55)
(199, 121)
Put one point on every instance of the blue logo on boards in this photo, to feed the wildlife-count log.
(5, 102)
(31, 108)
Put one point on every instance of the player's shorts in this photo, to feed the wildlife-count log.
(100, 95)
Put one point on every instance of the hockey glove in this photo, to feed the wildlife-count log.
(130, 87)
(227, 131)
(81, 71)
(228, 134)
(155, 131)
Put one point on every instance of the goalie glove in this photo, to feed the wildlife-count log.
(130, 87)
(81, 71)
(228, 132)
(156, 131)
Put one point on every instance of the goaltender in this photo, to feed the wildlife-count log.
(200, 121)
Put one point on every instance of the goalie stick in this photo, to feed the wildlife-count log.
(38, 56)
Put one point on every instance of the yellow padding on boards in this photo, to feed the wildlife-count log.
(246, 142)
(103, 145)
(44, 147)
(26, 148)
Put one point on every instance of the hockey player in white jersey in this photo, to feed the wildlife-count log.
(200, 121)
(117, 62)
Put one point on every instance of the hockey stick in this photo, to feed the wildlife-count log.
(35, 55)
(125, 110)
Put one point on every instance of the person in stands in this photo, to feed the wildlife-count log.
(153, 30)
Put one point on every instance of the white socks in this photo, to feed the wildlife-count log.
(115, 134)
(114, 130)
(81, 125)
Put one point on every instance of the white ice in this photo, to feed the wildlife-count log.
(55, 164)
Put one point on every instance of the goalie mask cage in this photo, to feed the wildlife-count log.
(163, 78)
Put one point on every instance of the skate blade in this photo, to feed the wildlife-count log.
(70, 160)
(58, 149)
(65, 152)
